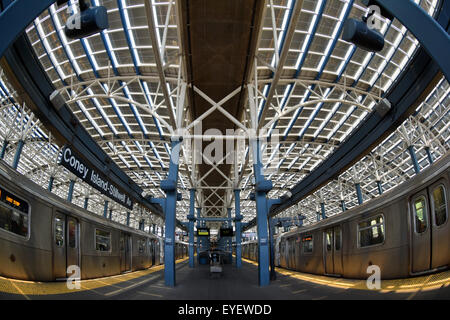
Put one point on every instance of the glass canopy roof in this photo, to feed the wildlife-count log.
(311, 90)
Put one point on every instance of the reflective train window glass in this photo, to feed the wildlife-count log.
(59, 232)
(102, 240)
(371, 232)
(14, 214)
(420, 214)
(13, 221)
(328, 237)
(307, 244)
(439, 205)
(72, 229)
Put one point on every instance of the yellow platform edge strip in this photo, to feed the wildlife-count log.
(421, 283)
(27, 288)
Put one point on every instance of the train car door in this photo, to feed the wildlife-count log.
(59, 246)
(429, 228)
(332, 252)
(420, 232)
(328, 251)
(438, 194)
(125, 252)
(72, 243)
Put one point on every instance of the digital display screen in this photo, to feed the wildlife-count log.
(228, 232)
(307, 238)
(203, 232)
(13, 201)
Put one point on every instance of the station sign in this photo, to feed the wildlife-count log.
(226, 232)
(72, 162)
(203, 232)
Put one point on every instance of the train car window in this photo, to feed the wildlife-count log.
(14, 214)
(59, 232)
(420, 213)
(102, 240)
(141, 245)
(439, 205)
(337, 238)
(371, 232)
(307, 244)
(328, 237)
(72, 234)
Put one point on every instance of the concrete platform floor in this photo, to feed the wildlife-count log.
(234, 284)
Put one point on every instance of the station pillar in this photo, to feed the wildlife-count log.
(343, 205)
(359, 193)
(322, 207)
(105, 208)
(19, 149)
(3, 151)
(169, 186)
(262, 187)
(191, 218)
(128, 218)
(429, 155)
(380, 187)
(71, 187)
(50, 183)
(86, 202)
(238, 219)
(412, 154)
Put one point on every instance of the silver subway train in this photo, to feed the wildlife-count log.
(405, 232)
(41, 235)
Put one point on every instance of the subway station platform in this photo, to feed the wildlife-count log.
(234, 284)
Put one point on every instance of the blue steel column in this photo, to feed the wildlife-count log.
(19, 149)
(429, 155)
(358, 193)
(343, 205)
(50, 183)
(70, 194)
(199, 210)
(261, 189)
(380, 187)
(433, 38)
(105, 208)
(2, 153)
(86, 202)
(229, 241)
(128, 218)
(191, 218)
(322, 206)
(412, 153)
(238, 219)
(169, 186)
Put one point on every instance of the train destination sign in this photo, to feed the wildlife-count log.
(74, 164)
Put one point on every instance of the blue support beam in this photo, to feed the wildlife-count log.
(19, 149)
(50, 183)
(322, 207)
(169, 186)
(380, 187)
(429, 155)
(16, 16)
(3, 151)
(343, 205)
(86, 203)
(359, 193)
(191, 218)
(199, 211)
(70, 193)
(431, 35)
(262, 187)
(415, 163)
(105, 208)
(238, 219)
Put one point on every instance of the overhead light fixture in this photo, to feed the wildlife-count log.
(358, 33)
(89, 21)
(383, 107)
